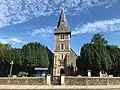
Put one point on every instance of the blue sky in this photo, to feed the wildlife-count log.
(23, 21)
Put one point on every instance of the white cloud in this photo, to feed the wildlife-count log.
(11, 40)
(16, 40)
(98, 26)
(18, 11)
(42, 31)
(110, 5)
(91, 27)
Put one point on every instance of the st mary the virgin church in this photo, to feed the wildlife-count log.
(64, 56)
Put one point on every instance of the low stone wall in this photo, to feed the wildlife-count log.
(22, 81)
(92, 81)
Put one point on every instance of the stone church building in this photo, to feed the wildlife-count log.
(64, 56)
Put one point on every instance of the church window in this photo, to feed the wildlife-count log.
(62, 56)
(61, 63)
(55, 72)
(62, 46)
(61, 36)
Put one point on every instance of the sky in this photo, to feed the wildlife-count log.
(24, 21)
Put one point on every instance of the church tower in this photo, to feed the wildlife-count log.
(62, 46)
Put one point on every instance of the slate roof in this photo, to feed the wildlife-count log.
(62, 26)
(73, 52)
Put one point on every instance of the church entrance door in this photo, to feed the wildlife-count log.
(62, 71)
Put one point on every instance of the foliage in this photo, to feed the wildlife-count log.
(36, 55)
(21, 73)
(115, 57)
(97, 56)
(25, 59)
(99, 39)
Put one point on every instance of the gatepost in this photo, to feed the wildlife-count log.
(62, 79)
(48, 79)
(89, 73)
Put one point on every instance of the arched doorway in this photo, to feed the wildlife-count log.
(62, 71)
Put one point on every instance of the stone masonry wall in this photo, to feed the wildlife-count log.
(92, 81)
(22, 81)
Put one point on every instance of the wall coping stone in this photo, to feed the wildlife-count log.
(21, 77)
(88, 77)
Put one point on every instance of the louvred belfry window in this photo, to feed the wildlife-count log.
(61, 36)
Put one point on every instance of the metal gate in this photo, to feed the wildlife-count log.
(56, 80)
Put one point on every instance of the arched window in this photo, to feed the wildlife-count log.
(62, 56)
(62, 46)
(63, 36)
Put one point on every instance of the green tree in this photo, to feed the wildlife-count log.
(115, 57)
(4, 59)
(99, 39)
(95, 56)
(25, 59)
(36, 55)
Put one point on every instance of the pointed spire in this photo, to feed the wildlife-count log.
(62, 26)
(62, 19)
